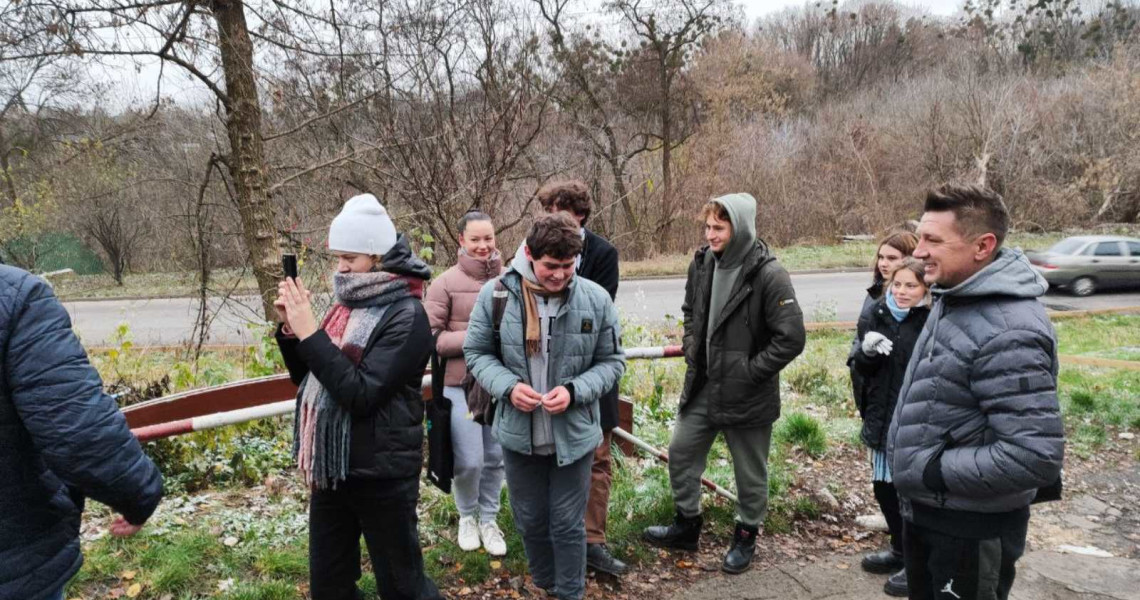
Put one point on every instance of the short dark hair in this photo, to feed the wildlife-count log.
(977, 209)
(472, 215)
(572, 196)
(555, 235)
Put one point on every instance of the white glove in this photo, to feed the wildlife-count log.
(877, 343)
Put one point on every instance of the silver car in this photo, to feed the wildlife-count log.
(1087, 263)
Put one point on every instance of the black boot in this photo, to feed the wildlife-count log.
(896, 585)
(739, 557)
(683, 534)
(884, 562)
(598, 558)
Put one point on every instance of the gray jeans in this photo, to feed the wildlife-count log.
(478, 480)
(549, 505)
(693, 437)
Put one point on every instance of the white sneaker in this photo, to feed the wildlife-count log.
(493, 539)
(468, 534)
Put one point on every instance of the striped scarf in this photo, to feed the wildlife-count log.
(321, 429)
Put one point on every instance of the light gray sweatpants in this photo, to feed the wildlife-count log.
(478, 479)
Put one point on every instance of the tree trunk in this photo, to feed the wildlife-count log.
(617, 167)
(247, 151)
(666, 135)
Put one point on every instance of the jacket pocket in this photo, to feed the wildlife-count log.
(945, 443)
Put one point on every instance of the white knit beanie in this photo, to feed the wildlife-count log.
(362, 227)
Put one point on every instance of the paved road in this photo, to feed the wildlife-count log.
(824, 297)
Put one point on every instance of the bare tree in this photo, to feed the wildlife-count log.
(669, 35)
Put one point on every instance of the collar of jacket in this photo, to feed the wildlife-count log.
(480, 270)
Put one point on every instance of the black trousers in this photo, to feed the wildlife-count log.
(888, 500)
(384, 511)
(944, 567)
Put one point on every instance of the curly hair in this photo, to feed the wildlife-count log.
(571, 196)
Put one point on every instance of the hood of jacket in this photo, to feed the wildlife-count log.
(741, 209)
(521, 264)
(1010, 274)
(402, 261)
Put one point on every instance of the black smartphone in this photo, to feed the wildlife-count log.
(289, 264)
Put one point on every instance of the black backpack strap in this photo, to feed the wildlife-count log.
(438, 367)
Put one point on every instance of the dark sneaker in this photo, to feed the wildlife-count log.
(598, 558)
(683, 534)
(896, 585)
(883, 563)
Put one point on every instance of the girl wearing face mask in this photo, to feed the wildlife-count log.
(358, 432)
(478, 478)
(885, 343)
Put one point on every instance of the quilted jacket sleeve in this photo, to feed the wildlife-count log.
(438, 304)
(78, 429)
(609, 359)
(1013, 379)
(480, 352)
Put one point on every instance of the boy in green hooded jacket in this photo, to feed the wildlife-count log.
(743, 325)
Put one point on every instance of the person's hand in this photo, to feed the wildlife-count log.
(121, 528)
(525, 398)
(279, 304)
(556, 400)
(298, 308)
(877, 343)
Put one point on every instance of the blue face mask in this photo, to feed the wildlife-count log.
(898, 313)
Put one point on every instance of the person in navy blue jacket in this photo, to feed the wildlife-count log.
(61, 440)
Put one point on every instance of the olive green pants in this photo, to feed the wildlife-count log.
(693, 437)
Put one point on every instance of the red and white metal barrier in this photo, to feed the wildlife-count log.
(277, 408)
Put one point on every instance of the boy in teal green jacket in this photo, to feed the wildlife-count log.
(559, 351)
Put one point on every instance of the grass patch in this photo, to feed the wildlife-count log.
(286, 563)
(269, 590)
(1104, 336)
(802, 431)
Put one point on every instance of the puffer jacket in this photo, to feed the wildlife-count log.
(61, 440)
(382, 392)
(881, 376)
(977, 414)
(585, 356)
(760, 331)
(449, 302)
(874, 293)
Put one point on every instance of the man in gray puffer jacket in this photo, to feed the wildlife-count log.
(977, 429)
